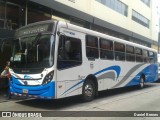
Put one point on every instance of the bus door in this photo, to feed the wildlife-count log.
(69, 64)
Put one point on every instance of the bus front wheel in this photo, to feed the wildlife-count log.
(88, 91)
(141, 83)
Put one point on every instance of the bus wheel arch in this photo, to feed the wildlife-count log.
(142, 81)
(90, 86)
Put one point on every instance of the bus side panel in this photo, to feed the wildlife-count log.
(116, 74)
(70, 79)
(150, 72)
(129, 75)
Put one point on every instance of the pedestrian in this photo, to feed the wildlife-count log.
(6, 75)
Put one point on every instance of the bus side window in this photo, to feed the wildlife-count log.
(69, 52)
(106, 49)
(155, 59)
(130, 55)
(139, 57)
(146, 56)
(92, 47)
(119, 51)
(151, 57)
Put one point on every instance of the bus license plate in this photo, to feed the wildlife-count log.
(25, 91)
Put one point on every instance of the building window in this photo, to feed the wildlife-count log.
(12, 15)
(2, 14)
(2, 10)
(138, 41)
(36, 16)
(147, 2)
(116, 5)
(37, 13)
(77, 21)
(14, 21)
(140, 19)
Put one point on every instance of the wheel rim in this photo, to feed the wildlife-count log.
(88, 90)
(141, 83)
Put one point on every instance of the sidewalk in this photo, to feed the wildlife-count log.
(3, 97)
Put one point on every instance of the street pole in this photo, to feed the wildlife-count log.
(26, 12)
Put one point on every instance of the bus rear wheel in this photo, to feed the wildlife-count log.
(141, 82)
(88, 91)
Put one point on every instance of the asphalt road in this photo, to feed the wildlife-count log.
(108, 103)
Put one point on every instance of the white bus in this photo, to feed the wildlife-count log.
(54, 59)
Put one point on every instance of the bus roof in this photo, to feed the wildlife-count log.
(98, 34)
(85, 31)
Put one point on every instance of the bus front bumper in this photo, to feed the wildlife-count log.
(40, 92)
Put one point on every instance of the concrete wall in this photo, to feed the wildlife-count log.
(96, 9)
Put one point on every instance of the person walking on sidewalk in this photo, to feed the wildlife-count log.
(6, 75)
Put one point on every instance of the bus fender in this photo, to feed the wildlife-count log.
(94, 79)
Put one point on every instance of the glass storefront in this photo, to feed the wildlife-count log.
(14, 21)
(13, 13)
(17, 13)
(2, 14)
(37, 15)
(12, 16)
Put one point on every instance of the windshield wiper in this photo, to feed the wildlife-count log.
(20, 43)
(37, 39)
(35, 44)
(37, 53)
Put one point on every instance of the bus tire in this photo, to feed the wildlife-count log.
(141, 82)
(88, 91)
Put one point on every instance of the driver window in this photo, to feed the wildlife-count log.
(69, 52)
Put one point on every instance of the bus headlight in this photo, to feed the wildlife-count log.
(48, 78)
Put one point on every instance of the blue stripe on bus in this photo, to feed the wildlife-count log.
(150, 72)
(115, 68)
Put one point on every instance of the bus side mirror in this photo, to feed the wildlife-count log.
(60, 34)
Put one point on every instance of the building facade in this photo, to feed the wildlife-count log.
(132, 20)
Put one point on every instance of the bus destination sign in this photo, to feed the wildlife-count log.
(34, 29)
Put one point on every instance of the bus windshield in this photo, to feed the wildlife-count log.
(33, 52)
